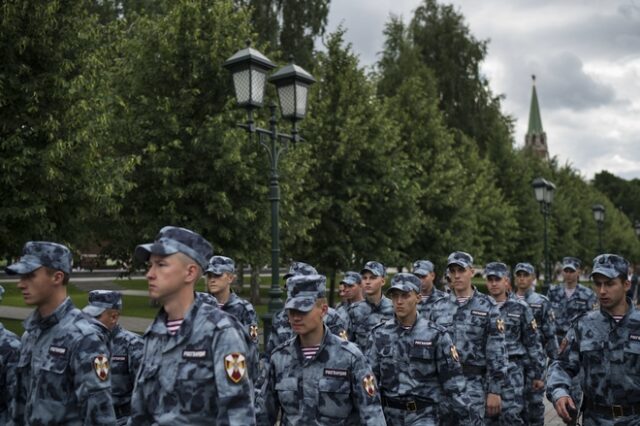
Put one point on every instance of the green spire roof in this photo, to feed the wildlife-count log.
(535, 122)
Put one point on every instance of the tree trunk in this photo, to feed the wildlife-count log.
(332, 286)
(255, 285)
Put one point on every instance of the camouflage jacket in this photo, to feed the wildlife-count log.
(63, 374)
(364, 315)
(609, 354)
(336, 387)
(244, 312)
(545, 319)
(522, 339)
(477, 334)
(425, 304)
(420, 363)
(198, 376)
(9, 355)
(565, 310)
(126, 355)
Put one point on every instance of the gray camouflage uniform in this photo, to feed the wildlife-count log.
(126, 355)
(9, 355)
(608, 352)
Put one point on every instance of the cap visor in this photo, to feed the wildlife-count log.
(457, 262)
(304, 304)
(21, 268)
(93, 311)
(421, 272)
(371, 271)
(143, 251)
(607, 272)
(398, 288)
(573, 268)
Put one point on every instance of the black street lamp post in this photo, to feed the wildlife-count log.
(598, 215)
(249, 68)
(544, 191)
(637, 228)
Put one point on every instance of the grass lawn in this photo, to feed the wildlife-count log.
(13, 325)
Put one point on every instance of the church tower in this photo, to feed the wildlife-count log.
(536, 139)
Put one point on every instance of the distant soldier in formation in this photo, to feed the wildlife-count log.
(352, 282)
(416, 363)
(605, 345)
(429, 294)
(570, 300)
(194, 369)
(524, 350)
(63, 375)
(473, 321)
(533, 413)
(126, 349)
(9, 354)
(374, 309)
(317, 378)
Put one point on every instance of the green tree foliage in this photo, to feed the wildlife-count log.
(624, 194)
(57, 170)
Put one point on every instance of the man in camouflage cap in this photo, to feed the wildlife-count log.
(605, 345)
(317, 378)
(352, 282)
(63, 375)
(526, 358)
(416, 363)
(533, 413)
(9, 355)
(126, 349)
(374, 309)
(429, 294)
(473, 321)
(194, 367)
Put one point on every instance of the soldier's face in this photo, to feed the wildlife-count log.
(524, 280)
(303, 323)
(427, 281)
(38, 286)
(371, 284)
(404, 303)
(166, 276)
(611, 292)
(460, 277)
(496, 286)
(341, 291)
(352, 291)
(218, 283)
(570, 276)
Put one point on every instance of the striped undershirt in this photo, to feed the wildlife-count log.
(500, 304)
(310, 351)
(519, 297)
(462, 300)
(617, 318)
(220, 305)
(174, 325)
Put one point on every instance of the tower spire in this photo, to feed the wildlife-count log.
(536, 138)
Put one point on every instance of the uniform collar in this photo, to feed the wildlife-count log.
(36, 321)
(298, 347)
(632, 309)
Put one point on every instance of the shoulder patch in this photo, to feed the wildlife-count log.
(500, 325)
(101, 367)
(235, 366)
(563, 345)
(534, 324)
(343, 335)
(454, 353)
(253, 331)
(369, 384)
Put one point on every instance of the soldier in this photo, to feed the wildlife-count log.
(63, 375)
(526, 358)
(194, 367)
(317, 378)
(221, 273)
(126, 349)
(9, 355)
(415, 362)
(569, 301)
(473, 321)
(423, 269)
(533, 413)
(352, 282)
(605, 345)
(374, 309)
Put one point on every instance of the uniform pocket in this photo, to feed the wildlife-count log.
(287, 390)
(52, 383)
(422, 360)
(632, 357)
(333, 397)
(194, 386)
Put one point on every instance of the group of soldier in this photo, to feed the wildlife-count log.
(410, 355)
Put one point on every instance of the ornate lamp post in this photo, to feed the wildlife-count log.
(249, 69)
(544, 191)
(598, 215)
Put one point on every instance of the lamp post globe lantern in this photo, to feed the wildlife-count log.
(544, 191)
(598, 215)
(249, 69)
(637, 228)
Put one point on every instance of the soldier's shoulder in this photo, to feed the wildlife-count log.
(130, 336)
(424, 322)
(357, 307)
(484, 300)
(8, 339)
(285, 347)
(554, 288)
(216, 317)
(332, 313)
(383, 326)
(79, 324)
(347, 347)
(586, 290)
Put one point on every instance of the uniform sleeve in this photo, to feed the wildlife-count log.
(139, 415)
(495, 352)
(267, 403)
(531, 340)
(564, 368)
(548, 329)
(233, 386)
(92, 381)
(372, 355)
(365, 393)
(136, 347)
(9, 356)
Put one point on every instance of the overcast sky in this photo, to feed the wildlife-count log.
(585, 55)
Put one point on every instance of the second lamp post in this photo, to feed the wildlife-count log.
(598, 215)
(249, 68)
(544, 191)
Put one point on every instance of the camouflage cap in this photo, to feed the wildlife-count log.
(524, 267)
(376, 268)
(460, 258)
(300, 268)
(171, 240)
(351, 278)
(422, 267)
(42, 253)
(101, 300)
(304, 290)
(611, 266)
(405, 282)
(496, 269)
(571, 263)
(218, 265)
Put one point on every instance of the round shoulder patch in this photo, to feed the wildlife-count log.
(236, 366)
(454, 353)
(369, 384)
(500, 325)
(101, 367)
